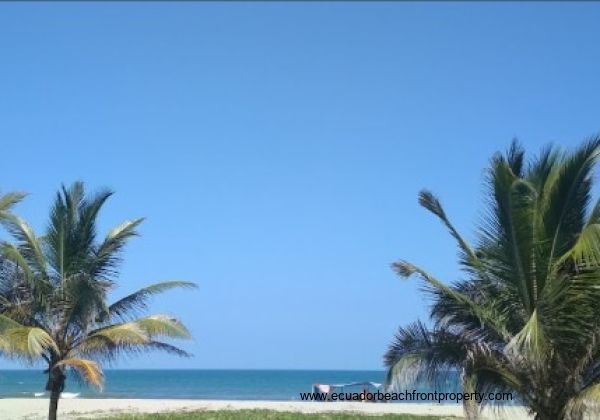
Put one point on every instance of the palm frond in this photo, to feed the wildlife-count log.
(567, 199)
(167, 348)
(163, 326)
(129, 333)
(531, 341)
(431, 203)
(510, 232)
(72, 229)
(107, 254)
(29, 341)
(82, 299)
(128, 306)
(88, 370)
(133, 337)
(53, 292)
(516, 157)
(417, 353)
(486, 314)
(8, 201)
(7, 323)
(12, 253)
(28, 244)
(525, 318)
(586, 250)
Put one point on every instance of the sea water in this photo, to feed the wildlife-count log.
(199, 384)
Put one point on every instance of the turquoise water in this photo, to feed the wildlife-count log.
(200, 384)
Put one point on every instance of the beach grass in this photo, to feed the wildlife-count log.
(267, 414)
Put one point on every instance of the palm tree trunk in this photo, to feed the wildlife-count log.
(551, 412)
(55, 384)
(54, 396)
(471, 410)
(470, 407)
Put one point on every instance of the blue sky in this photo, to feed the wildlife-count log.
(277, 149)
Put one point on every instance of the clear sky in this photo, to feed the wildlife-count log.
(277, 149)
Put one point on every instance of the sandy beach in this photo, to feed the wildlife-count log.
(34, 409)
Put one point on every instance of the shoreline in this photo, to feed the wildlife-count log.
(36, 408)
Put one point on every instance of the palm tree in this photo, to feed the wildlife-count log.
(525, 316)
(53, 295)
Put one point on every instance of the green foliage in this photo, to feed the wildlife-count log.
(54, 292)
(525, 315)
(266, 414)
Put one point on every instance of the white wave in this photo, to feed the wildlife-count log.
(66, 395)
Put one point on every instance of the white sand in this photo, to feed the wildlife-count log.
(37, 408)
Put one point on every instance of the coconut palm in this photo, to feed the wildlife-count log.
(54, 290)
(525, 316)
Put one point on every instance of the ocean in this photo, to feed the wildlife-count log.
(195, 384)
